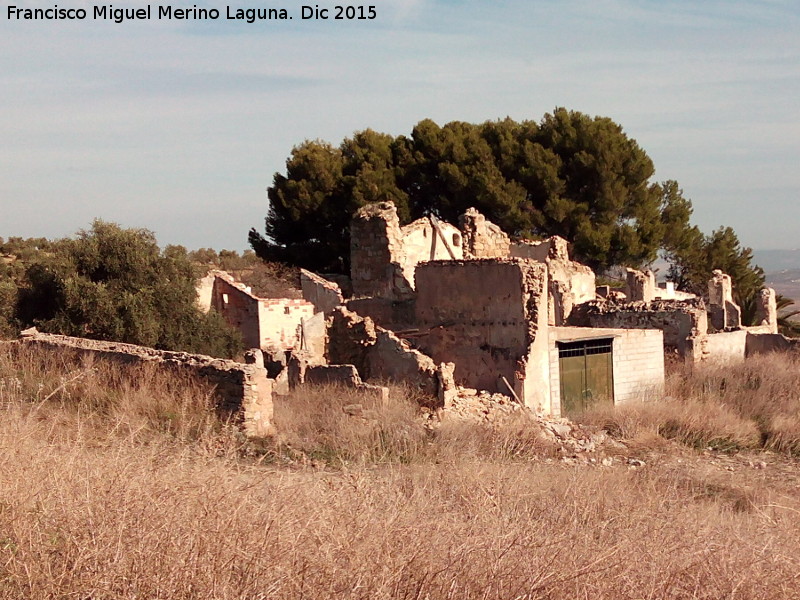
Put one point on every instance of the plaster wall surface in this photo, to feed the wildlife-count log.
(484, 316)
(637, 357)
(422, 242)
(314, 337)
(205, 291)
(764, 343)
(279, 322)
(726, 347)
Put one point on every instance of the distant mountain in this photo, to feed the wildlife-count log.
(781, 270)
(777, 260)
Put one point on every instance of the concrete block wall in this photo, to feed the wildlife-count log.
(637, 358)
(242, 391)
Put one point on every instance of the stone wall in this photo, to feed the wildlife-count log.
(242, 391)
(678, 320)
(376, 253)
(383, 255)
(482, 238)
(346, 376)
(390, 314)
(323, 294)
(570, 283)
(641, 286)
(378, 354)
(767, 310)
(484, 315)
(637, 358)
(724, 314)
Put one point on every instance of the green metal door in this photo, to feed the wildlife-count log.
(585, 372)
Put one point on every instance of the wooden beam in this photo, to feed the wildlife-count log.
(435, 223)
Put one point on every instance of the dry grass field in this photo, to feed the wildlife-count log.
(129, 487)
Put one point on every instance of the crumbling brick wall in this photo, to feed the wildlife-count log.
(263, 322)
(570, 282)
(242, 391)
(485, 315)
(279, 321)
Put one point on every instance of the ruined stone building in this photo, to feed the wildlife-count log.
(265, 323)
(517, 317)
(444, 308)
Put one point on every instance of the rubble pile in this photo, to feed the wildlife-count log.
(572, 441)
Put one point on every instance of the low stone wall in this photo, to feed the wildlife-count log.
(242, 391)
(765, 343)
(346, 376)
(722, 348)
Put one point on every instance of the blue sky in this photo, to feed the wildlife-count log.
(179, 127)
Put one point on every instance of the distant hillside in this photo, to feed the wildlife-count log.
(777, 260)
(782, 270)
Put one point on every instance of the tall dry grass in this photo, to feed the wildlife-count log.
(316, 425)
(751, 405)
(102, 497)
